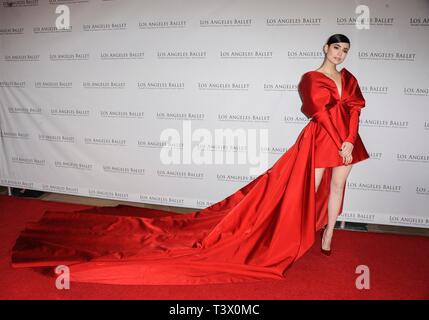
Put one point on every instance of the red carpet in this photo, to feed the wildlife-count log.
(399, 268)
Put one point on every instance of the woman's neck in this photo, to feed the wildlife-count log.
(329, 69)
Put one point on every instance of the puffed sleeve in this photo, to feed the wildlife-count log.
(354, 103)
(315, 98)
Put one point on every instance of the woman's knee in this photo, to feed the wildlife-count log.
(339, 177)
(337, 186)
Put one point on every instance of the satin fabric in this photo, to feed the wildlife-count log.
(337, 116)
(256, 233)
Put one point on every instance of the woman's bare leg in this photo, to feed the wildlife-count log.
(338, 182)
(319, 175)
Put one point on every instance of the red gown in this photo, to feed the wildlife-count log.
(255, 233)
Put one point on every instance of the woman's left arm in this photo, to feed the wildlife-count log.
(354, 103)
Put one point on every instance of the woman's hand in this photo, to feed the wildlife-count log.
(347, 159)
(346, 149)
(346, 152)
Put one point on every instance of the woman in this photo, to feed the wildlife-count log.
(325, 86)
(255, 233)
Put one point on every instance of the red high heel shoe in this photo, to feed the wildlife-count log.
(325, 252)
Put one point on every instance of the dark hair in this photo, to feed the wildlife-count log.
(335, 38)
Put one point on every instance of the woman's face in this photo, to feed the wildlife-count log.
(336, 52)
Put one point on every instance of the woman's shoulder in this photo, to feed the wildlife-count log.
(308, 73)
(318, 73)
(313, 78)
(348, 74)
(311, 75)
(317, 76)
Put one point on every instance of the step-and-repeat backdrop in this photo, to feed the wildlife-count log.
(183, 102)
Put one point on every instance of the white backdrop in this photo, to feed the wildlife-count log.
(83, 110)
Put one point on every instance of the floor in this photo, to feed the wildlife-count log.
(398, 268)
(48, 196)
